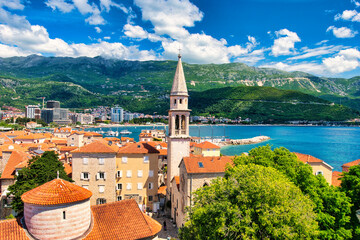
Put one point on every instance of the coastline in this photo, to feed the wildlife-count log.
(245, 141)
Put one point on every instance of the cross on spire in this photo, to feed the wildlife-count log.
(179, 55)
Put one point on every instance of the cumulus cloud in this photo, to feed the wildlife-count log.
(61, 5)
(13, 19)
(170, 16)
(252, 57)
(98, 30)
(285, 43)
(357, 4)
(345, 60)
(9, 51)
(12, 4)
(342, 32)
(348, 15)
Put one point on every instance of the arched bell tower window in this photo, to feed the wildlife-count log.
(174, 101)
(180, 101)
(177, 122)
(183, 122)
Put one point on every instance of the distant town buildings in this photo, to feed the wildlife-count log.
(82, 118)
(53, 113)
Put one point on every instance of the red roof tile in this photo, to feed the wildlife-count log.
(353, 163)
(30, 136)
(200, 164)
(122, 220)
(162, 190)
(99, 146)
(57, 191)
(12, 230)
(136, 148)
(16, 158)
(67, 148)
(305, 158)
(336, 179)
(68, 169)
(206, 144)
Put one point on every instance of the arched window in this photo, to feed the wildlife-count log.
(183, 122)
(174, 101)
(177, 122)
(180, 101)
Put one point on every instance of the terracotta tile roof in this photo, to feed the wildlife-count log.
(336, 179)
(122, 220)
(68, 169)
(162, 190)
(10, 148)
(12, 230)
(16, 157)
(162, 152)
(92, 134)
(30, 136)
(206, 144)
(146, 135)
(124, 139)
(177, 181)
(306, 158)
(156, 143)
(67, 148)
(62, 130)
(114, 139)
(57, 191)
(14, 133)
(99, 146)
(353, 163)
(136, 148)
(59, 141)
(200, 164)
(22, 164)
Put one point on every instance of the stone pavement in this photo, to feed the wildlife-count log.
(170, 229)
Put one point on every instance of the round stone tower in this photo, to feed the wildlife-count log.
(57, 210)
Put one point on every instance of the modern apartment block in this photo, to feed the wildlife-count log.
(53, 113)
(117, 114)
(33, 112)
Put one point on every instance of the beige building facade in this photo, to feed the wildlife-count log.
(318, 166)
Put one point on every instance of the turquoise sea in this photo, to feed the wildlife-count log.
(334, 145)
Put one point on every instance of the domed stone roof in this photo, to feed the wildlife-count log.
(57, 191)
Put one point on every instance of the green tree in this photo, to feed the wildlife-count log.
(331, 205)
(350, 184)
(251, 202)
(39, 171)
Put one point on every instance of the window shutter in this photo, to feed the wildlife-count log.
(97, 176)
(104, 176)
(120, 173)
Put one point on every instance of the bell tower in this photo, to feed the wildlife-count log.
(179, 114)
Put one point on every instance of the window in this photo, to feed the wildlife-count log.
(100, 175)
(73, 139)
(85, 186)
(201, 165)
(150, 198)
(84, 176)
(319, 173)
(64, 215)
(180, 101)
(151, 173)
(85, 161)
(208, 150)
(139, 186)
(151, 185)
(119, 174)
(101, 161)
(100, 201)
(119, 198)
(128, 173)
(124, 159)
(140, 173)
(101, 188)
(174, 101)
(146, 159)
(119, 186)
(128, 186)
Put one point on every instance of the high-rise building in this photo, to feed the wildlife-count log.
(52, 104)
(128, 117)
(117, 114)
(178, 139)
(33, 112)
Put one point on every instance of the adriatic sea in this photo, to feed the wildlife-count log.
(334, 145)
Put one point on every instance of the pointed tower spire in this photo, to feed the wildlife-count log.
(179, 83)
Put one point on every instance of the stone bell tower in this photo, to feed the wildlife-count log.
(179, 114)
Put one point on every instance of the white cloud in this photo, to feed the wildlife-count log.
(107, 4)
(342, 32)
(169, 17)
(13, 19)
(135, 31)
(319, 51)
(322, 42)
(285, 43)
(346, 60)
(107, 38)
(303, 67)
(253, 57)
(98, 30)
(12, 4)
(348, 15)
(61, 5)
(357, 4)
(9, 51)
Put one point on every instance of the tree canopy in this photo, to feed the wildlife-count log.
(331, 205)
(252, 202)
(41, 169)
(350, 184)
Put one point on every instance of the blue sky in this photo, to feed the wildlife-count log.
(316, 36)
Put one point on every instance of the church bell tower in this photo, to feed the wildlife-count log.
(179, 114)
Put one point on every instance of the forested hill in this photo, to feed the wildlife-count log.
(144, 79)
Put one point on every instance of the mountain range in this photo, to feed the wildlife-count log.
(83, 82)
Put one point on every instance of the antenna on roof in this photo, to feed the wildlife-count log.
(57, 173)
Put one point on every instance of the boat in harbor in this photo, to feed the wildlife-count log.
(125, 132)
